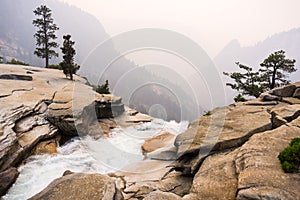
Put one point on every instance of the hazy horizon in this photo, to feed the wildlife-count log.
(212, 24)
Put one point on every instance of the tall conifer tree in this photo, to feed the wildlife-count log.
(45, 35)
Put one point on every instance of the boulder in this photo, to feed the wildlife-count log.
(284, 91)
(80, 186)
(7, 178)
(159, 141)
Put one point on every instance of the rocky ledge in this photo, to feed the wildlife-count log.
(40, 108)
(229, 154)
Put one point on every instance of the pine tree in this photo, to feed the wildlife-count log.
(273, 72)
(68, 65)
(275, 69)
(45, 35)
(247, 83)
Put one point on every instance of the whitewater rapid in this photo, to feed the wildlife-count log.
(88, 155)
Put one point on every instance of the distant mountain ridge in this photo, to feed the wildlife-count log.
(233, 52)
(288, 41)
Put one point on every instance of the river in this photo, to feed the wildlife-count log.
(85, 154)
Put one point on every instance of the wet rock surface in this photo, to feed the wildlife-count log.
(7, 178)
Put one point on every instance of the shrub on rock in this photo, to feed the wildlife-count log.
(290, 157)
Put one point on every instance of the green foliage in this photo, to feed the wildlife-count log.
(248, 83)
(273, 72)
(102, 89)
(275, 69)
(55, 67)
(239, 98)
(68, 66)
(45, 35)
(290, 157)
(208, 113)
(17, 62)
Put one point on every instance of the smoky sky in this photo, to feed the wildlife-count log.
(210, 23)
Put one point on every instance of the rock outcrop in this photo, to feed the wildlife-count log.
(230, 154)
(250, 168)
(161, 140)
(81, 186)
(40, 105)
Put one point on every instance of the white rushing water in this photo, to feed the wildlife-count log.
(89, 156)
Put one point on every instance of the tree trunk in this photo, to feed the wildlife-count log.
(46, 53)
(47, 62)
(71, 72)
(273, 79)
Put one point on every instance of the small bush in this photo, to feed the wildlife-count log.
(290, 157)
(102, 89)
(208, 113)
(16, 62)
(239, 98)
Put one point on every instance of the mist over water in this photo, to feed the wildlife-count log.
(88, 156)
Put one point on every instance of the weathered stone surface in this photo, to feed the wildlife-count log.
(265, 193)
(283, 114)
(145, 177)
(129, 119)
(168, 153)
(25, 124)
(284, 91)
(28, 107)
(216, 178)
(291, 100)
(159, 195)
(7, 178)
(46, 147)
(80, 186)
(270, 97)
(297, 93)
(225, 128)
(161, 140)
(258, 168)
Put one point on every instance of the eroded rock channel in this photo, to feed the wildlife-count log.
(230, 154)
